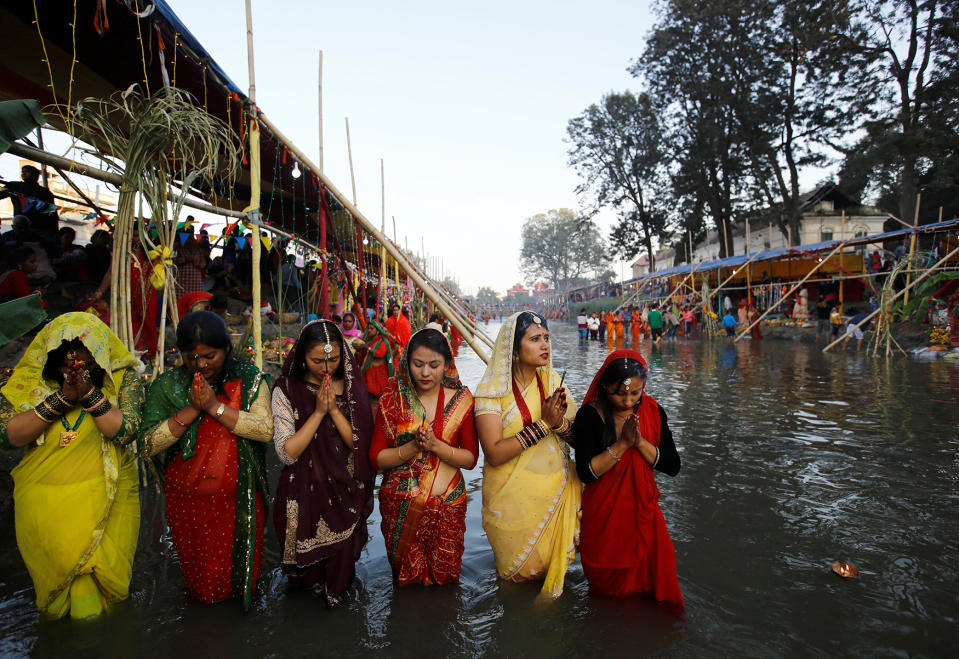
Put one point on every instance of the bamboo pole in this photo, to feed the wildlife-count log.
(895, 297)
(735, 272)
(349, 153)
(254, 208)
(749, 283)
(372, 230)
(319, 104)
(791, 290)
(842, 236)
(912, 247)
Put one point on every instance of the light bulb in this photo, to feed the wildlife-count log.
(296, 170)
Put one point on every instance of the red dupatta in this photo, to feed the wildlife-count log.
(624, 534)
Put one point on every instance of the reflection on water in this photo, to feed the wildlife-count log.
(791, 459)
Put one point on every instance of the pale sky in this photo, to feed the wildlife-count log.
(466, 104)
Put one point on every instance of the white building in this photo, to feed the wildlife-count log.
(827, 214)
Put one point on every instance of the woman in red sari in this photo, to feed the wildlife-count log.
(322, 430)
(424, 434)
(212, 418)
(622, 435)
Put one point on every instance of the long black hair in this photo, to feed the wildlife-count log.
(55, 358)
(523, 322)
(313, 334)
(431, 339)
(209, 329)
(617, 372)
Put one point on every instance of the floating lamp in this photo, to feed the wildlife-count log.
(845, 570)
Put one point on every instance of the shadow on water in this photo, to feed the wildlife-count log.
(791, 459)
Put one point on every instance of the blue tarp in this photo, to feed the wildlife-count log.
(769, 254)
(170, 17)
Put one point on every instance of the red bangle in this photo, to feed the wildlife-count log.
(178, 422)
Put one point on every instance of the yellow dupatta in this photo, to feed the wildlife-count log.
(76, 507)
(531, 503)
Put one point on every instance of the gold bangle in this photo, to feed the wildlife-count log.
(452, 453)
(39, 416)
(399, 452)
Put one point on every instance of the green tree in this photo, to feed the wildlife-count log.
(486, 295)
(906, 62)
(560, 247)
(615, 146)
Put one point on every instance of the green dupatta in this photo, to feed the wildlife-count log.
(168, 394)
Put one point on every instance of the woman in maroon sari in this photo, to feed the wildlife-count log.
(322, 430)
(622, 435)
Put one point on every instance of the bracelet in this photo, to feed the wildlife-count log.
(399, 452)
(609, 449)
(452, 453)
(100, 409)
(177, 421)
(531, 434)
(58, 403)
(656, 461)
(40, 415)
(565, 429)
(44, 411)
(92, 399)
(220, 410)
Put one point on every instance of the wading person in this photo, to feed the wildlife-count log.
(531, 493)
(622, 435)
(322, 428)
(424, 435)
(211, 418)
(74, 402)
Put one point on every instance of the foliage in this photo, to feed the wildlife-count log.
(152, 142)
(450, 284)
(486, 295)
(616, 146)
(560, 247)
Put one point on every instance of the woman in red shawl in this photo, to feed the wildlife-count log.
(321, 431)
(399, 325)
(424, 435)
(622, 435)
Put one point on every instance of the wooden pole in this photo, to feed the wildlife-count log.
(381, 301)
(319, 105)
(912, 247)
(842, 236)
(372, 230)
(791, 291)
(349, 153)
(735, 272)
(749, 283)
(895, 297)
(726, 239)
(690, 237)
(254, 208)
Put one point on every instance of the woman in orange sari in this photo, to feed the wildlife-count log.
(622, 435)
(424, 434)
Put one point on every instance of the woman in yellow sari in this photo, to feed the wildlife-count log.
(74, 401)
(531, 493)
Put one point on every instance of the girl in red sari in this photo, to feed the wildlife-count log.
(424, 434)
(322, 430)
(622, 435)
(212, 418)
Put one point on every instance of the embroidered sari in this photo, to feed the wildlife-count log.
(325, 496)
(423, 532)
(215, 480)
(77, 507)
(531, 503)
(625, 547)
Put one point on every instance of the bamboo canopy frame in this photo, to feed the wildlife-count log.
(386, 243)
(791, 290)
(920, 278)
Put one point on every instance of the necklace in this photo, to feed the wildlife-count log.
(69, 434)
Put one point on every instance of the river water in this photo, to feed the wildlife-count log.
(791, 459)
